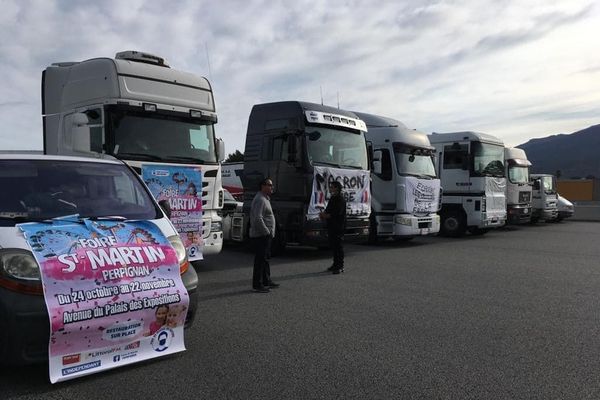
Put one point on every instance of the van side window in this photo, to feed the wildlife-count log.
(455, 156)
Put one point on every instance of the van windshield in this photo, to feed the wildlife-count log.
(336, 148)
(134, 135)
(45, 189)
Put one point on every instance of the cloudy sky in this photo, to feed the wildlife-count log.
(516, 69)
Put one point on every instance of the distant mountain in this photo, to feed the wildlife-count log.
(576, 155)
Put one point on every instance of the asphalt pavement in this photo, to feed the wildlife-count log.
(512, 314)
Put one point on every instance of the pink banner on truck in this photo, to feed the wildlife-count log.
(113, 292)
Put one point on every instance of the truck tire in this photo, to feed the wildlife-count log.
(454, 223)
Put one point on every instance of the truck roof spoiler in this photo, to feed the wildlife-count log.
(138, 56)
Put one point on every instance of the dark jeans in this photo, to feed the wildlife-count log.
(262, 253)
(336, 242)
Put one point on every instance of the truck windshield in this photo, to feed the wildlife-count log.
(44, 189)
(337, 148)
(488, 159)
(518, 174)
(414, 161)
(548, 184)
(141, 136)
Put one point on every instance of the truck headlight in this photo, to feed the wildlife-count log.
(216, 226)
(181, 253)
(403, 221)
(19, 271)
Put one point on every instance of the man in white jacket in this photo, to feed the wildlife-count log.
(262, 232)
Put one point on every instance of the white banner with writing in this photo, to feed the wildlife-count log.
(355, 189)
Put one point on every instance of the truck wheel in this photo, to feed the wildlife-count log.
(453, 224)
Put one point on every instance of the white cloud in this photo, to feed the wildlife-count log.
(517, 69)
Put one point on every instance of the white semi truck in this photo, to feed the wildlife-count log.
(405, 189)
(518, 186)
(471, 168)
(138, 109)
(545, 200)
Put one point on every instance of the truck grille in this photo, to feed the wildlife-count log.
(524, 197)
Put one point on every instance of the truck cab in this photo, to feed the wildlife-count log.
(301, 147)
(518, 186)
(545, 199)
(138, 109)
(471, 169)
(406, 193)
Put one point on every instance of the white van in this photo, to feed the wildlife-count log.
(38, 188)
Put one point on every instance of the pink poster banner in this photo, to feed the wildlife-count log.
(113, 291)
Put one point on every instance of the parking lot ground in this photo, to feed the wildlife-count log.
(512, 314)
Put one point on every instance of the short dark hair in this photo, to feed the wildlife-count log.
(336, 184)
(264, 182)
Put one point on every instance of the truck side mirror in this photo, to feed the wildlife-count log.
(377, 169)
(220, 150)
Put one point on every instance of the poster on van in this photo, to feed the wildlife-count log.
(355, 189)
(113, 292)
(182, 188)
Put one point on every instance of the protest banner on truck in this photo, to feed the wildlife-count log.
(113, 291)
(182, 188)
(355, 189)
(422, 196)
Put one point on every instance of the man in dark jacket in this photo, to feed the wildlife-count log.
(335, 215)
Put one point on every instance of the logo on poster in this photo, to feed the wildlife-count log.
(71, 359)
(162, 339)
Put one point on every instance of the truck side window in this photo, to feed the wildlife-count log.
(96, 129)
(275, 148)
(455, 156)
(386, 165)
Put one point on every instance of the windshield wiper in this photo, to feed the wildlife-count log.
(144, 156)
(351, 166)
(26, 219)
(107, 218)
(327, 163)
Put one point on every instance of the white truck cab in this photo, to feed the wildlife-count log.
(545, 199)
(138, 109)
(518, 186)
(405, 188)
(471, 168)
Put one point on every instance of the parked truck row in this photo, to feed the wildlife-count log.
(400, 182)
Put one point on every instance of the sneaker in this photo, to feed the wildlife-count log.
(337, 271)
(272, 285)
(260, 289)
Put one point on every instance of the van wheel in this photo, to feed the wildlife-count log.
(453, 223)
